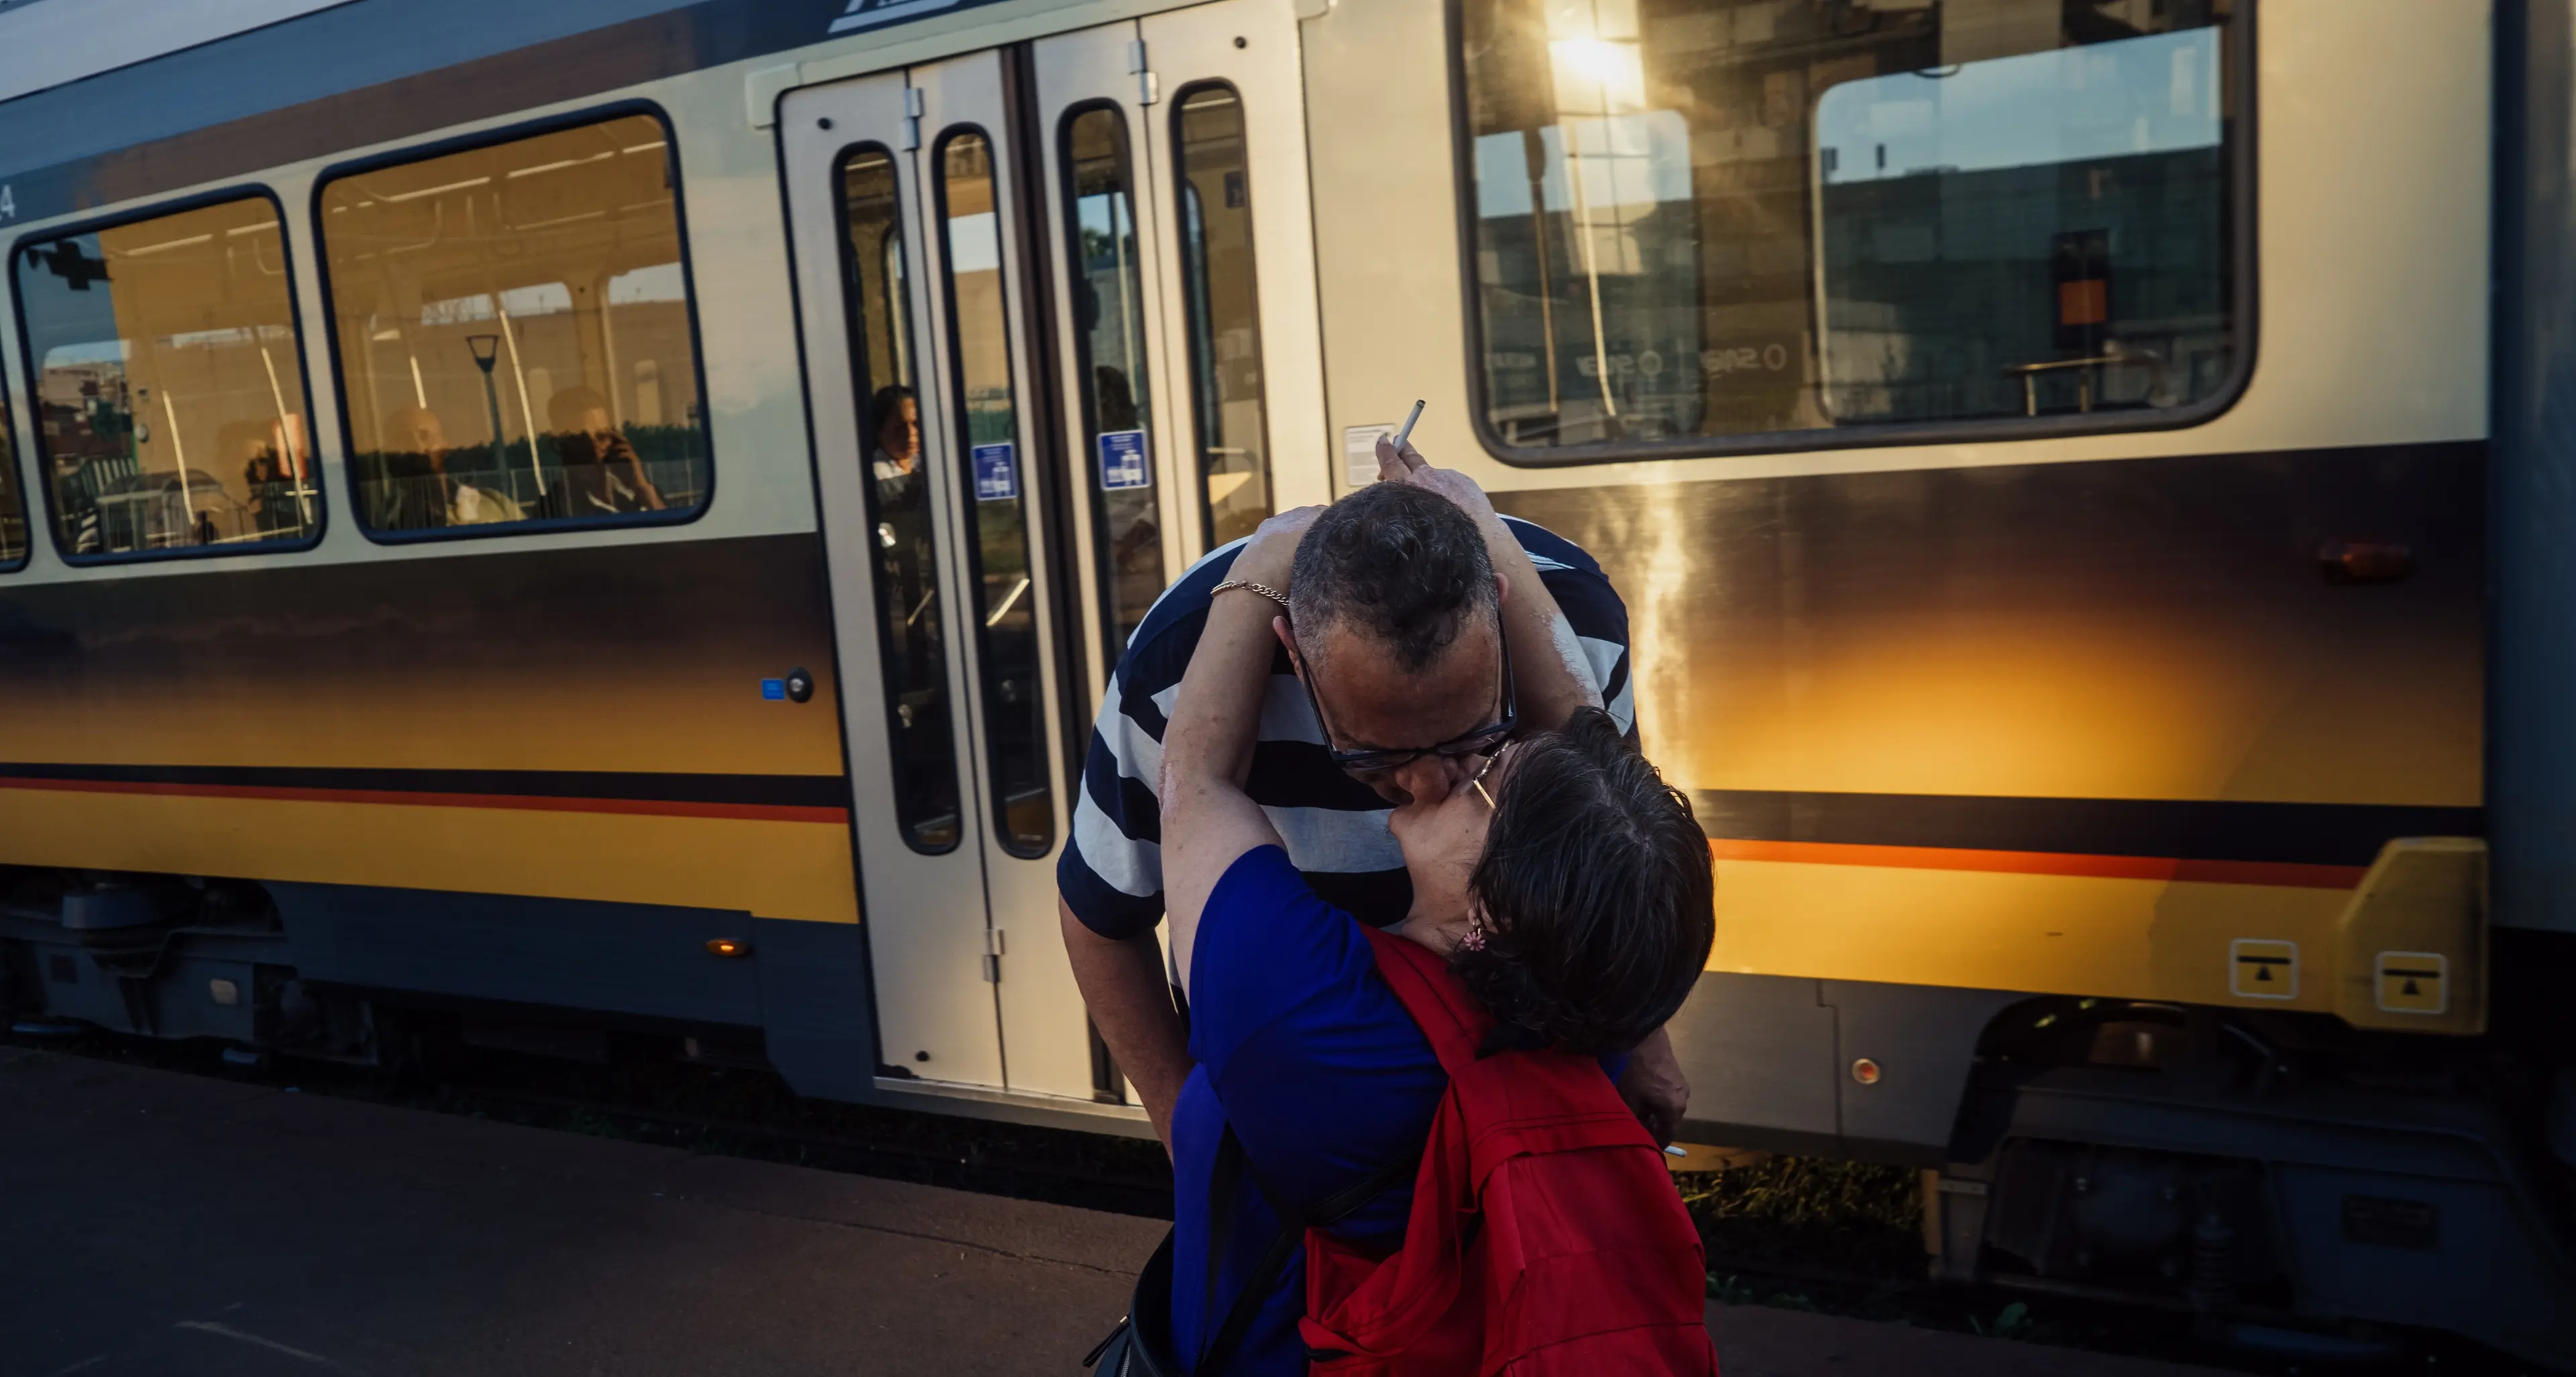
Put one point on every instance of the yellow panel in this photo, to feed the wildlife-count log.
(772, 869)
(2413, 944)
(2124, 938)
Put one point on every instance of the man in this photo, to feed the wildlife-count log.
(601, 473)
(1385, 721)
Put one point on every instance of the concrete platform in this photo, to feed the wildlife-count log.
(159, 1223)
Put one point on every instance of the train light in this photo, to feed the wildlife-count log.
(727, 946)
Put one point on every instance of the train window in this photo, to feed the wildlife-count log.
(13, 508)
(1225, 312)
(514, 334)
(918, 726)
(1709, 218)
(168, 386)
(996, 475)
(1109, 350)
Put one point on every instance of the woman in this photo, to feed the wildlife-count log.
(1567, 885)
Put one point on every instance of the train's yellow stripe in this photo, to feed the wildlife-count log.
(2011, 930)
(770, 868)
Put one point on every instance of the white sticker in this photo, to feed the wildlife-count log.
(1359, 452)
(2263, 968)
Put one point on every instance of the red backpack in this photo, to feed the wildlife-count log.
(1546, 1236)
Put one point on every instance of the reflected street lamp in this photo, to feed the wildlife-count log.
(487, 350)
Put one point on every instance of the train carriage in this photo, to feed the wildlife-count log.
(539, 523)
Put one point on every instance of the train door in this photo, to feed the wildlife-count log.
(1002, 302)
(1176, 178)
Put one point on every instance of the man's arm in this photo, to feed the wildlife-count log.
(1131, 1003)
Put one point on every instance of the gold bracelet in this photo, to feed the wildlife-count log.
(1249, 586)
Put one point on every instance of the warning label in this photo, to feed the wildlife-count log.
(2259, 968)
(2411, 982)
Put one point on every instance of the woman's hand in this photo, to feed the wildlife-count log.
(1268, 556)
(1408, 466)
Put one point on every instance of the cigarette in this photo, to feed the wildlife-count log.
(1406, 433)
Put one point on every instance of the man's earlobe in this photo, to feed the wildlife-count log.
(1502, 589)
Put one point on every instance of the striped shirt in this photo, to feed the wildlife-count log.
(1111, 872)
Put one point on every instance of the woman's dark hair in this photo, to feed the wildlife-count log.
(1596, 894)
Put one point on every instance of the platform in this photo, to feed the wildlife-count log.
(161, 1223)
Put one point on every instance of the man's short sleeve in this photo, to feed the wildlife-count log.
(1111, 872)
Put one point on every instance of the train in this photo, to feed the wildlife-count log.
(601, 528)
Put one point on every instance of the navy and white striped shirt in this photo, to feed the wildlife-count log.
(1111, 872)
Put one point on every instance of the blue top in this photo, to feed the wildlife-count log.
(1325, 1077)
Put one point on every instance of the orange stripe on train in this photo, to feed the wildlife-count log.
(2284, 874)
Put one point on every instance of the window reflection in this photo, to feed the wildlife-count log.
(899, 510)
(1225, 313)
(1700, 217)
(1109, 344)
(993, 473)
(169, 405)
(514, 333)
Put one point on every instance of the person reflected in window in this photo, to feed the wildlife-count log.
(404, 493)
(907, 578)
(439, 485)
(897, 456)
(601, 474)
(275, 506)
(1133, 547)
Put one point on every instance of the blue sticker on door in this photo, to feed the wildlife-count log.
(1123, 462)
(997, 473)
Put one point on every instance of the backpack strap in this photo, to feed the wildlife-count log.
(1449, 1017)
(1233, 1165)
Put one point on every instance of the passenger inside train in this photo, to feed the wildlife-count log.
(1562, 883)
(511, 351)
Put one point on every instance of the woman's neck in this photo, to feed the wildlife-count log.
(1439, 934)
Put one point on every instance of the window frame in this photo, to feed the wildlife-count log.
(31, 371)
(17, 471)
(1059, 812)
(2243, 228)
(491, 138)
(854, 327)
(1086, 407)
(1180, 172)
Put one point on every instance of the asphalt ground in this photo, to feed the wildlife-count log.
(163, 1223)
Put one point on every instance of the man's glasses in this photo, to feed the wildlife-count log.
(1482, 741)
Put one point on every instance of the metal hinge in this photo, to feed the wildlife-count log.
(1149, 87)
(913, 106)
(993, 956)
